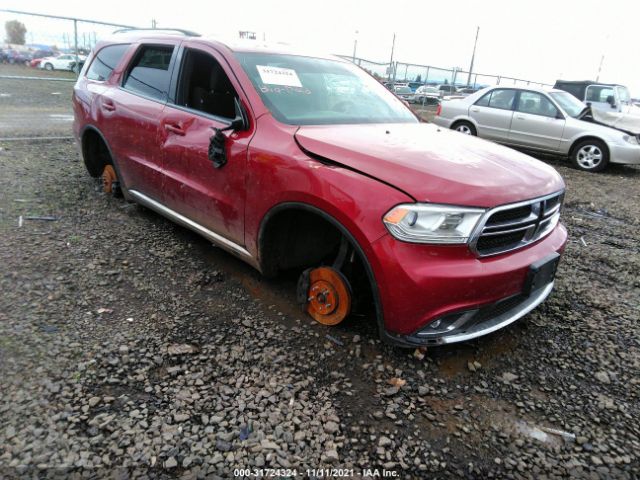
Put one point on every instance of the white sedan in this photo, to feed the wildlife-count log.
(61, 62)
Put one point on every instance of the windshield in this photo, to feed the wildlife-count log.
(570, 104)
(312, 91)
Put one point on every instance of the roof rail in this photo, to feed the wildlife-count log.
(188, 33)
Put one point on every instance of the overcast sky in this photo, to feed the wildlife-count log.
(538, 40)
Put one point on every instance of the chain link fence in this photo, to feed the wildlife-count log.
(430, 75)
(63, 41)
(73, 38)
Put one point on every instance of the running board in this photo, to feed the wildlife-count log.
(176, 217)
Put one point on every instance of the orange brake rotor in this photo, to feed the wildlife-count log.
(329, 296)
(108, 177)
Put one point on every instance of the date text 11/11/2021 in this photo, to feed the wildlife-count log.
(315, 473)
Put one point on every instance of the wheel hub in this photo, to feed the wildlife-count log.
(329, 296)
(108, 178)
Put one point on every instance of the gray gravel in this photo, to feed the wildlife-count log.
(130, 345)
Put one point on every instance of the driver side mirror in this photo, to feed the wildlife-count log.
(218, 141)
(611, 101)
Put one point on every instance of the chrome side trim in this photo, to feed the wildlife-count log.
(190, 224)
(500, 321)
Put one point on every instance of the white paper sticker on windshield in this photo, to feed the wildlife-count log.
(278, 76)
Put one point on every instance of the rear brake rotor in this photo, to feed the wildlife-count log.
(329, 296)
(108, 178)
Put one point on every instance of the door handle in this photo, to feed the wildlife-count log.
(108, 106)
(520, 117)
(174, 128)
(475, 109)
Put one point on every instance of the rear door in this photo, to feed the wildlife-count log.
(537, 122)
(493, 113)
(211, 195)
(134, 110)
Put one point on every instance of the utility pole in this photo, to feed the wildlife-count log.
(473, 56)
(355, 46)
(393, 45)
(600, 68)
(153, 23)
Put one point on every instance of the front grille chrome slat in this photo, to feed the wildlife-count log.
(510, 227)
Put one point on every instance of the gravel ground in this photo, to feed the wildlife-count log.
(130, 346)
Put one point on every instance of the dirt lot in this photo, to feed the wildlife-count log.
(129, 344)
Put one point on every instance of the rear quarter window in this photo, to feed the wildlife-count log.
(149, 71)
(105, 61)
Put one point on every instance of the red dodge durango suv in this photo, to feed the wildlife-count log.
(309, 165)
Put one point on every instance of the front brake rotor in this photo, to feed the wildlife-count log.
(329, 296)
(109, 177)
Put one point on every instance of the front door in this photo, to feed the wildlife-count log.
(209, 194)
(537, 123)
(493, 114)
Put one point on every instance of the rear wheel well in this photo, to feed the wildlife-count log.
(95, 152)
(294, 239)
(457, 123)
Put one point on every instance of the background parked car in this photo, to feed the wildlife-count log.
(404, 92)
(427, 95)
(447, 88)
(61, 62)
(17, 57)
(601, 96)
(533, 119)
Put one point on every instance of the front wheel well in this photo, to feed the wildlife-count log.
(582, 139)
(95, 152)
(295, 238)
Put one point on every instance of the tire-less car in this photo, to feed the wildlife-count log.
(308, 165)
(544, 121)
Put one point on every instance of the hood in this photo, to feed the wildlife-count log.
(432, 164)
(627, 122)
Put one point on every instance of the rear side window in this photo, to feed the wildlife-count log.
(149, 71)
(484, 101)
(105, 61)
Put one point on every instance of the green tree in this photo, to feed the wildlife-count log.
(16, 32)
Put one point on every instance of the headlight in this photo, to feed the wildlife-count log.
(430, 223)
(631, 139)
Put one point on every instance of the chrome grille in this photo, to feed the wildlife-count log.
(514, 226)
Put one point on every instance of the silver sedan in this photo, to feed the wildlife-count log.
(540, 120)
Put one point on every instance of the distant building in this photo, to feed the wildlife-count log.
(247, 35)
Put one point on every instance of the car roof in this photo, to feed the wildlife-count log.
(528, 87)
(239, 46)
(587, 83)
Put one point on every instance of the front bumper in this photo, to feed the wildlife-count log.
(419, 284)
(481, 321)
(627, 154)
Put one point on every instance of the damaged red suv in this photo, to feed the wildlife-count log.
(307, 164)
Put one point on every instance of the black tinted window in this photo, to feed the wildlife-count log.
(204, 86)
(149, 73)
(105, 62)
(502, 99)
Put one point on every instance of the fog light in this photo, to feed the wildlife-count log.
(448, 323)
